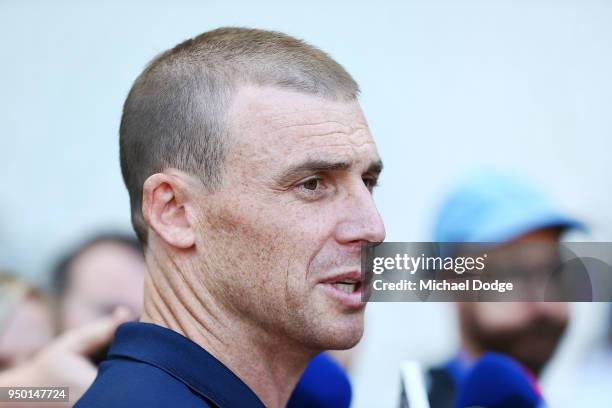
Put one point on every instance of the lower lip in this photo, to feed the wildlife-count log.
(350, 300)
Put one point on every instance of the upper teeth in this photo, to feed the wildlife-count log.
(346, 287)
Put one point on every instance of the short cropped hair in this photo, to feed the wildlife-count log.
(175, 113)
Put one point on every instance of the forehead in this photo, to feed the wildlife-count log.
(280, 125)
(105, 264)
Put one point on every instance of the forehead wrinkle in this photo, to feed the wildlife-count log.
(303, 127)
(355, 139)
(331, 123)
(320, 128)
(350, 145)
(318, 113)
(313, 142)
(313, 135)
(278, 129)
(343, 152)
(343, 144)
(344, 122)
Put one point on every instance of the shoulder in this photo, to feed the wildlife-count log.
(127, 383)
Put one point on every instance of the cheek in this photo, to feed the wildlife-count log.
(308, 244)
(500, 316)
(273, 248)
(249, 251)
(76, 313)
(556, 311)
(269, 232)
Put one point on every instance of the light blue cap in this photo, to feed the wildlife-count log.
(496, 207)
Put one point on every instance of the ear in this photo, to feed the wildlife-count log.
(166, 206)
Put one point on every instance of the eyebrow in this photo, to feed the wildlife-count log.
(318, 166)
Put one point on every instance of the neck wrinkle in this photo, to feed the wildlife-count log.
(269, 367)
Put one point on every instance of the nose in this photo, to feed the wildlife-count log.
(360, 220)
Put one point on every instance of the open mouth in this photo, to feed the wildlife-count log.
(347, 286)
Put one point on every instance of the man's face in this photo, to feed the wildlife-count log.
(286, 227)
(527, 331)
(102, 278)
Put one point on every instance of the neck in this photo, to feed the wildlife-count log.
(268, 366)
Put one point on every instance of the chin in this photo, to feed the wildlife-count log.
(341, 333)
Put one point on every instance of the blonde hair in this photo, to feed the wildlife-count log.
(13, 290)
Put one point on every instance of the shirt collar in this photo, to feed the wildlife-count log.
(184, 360)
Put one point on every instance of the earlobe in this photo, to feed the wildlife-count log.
(164, 210)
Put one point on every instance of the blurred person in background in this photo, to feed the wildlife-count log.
(30, 357)
(99, 275)
(25, 320)
(90, 281)
(499, 208)
(65, 361)
(96, 286)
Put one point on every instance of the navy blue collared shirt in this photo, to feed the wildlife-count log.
(151, 366)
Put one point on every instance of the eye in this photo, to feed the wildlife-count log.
(311, 184)
(312, 188)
